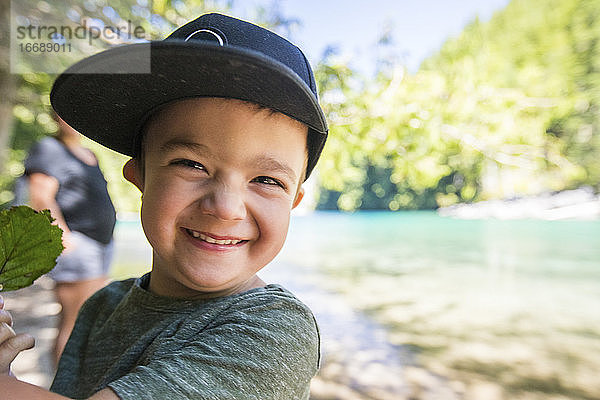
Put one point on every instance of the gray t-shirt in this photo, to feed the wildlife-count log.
(260, 344)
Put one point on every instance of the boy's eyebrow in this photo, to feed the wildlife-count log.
(271, 164)
(176, 144)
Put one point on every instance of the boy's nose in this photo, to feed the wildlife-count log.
(224, 203)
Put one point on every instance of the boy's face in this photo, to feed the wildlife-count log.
(219, 182)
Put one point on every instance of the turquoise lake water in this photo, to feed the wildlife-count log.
(410, 241)
(534, 266)
(504, 257)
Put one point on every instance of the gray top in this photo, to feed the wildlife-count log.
(260, 344)
(82, 194)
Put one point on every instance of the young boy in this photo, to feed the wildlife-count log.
(222, 134)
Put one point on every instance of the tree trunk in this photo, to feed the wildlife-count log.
(7, 83)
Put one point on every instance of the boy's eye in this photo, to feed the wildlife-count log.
(268, 181)
(189, 164)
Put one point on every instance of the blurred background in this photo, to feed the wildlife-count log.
(450, 241)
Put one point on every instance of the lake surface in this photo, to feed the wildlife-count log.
(505, 308)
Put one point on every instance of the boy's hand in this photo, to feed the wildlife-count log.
(11, 344)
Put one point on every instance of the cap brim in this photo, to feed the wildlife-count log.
(110, 107)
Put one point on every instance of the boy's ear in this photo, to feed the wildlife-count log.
(299, 197)
(131, 172)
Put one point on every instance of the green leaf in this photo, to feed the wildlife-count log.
(29, 246)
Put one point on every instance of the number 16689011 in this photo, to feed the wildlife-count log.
(45, 47)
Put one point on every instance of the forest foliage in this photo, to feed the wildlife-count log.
(509, 107)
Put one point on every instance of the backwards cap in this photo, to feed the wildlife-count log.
(212, 56)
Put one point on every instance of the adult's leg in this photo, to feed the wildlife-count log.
(79, 273)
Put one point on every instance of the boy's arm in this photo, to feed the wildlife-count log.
(13, 389)
(11, 345)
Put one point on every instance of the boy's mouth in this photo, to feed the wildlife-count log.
(221, 241)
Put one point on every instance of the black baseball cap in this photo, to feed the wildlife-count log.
(213, 56)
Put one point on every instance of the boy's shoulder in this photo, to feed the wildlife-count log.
(272, 301)
(110, 295)
(272, 297)
(272, 305)
(116, 288)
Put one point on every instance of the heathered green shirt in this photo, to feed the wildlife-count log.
(260, 344)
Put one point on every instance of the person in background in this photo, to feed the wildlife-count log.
(65, 178)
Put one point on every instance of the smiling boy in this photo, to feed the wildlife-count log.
(219, 180)
(222, 135)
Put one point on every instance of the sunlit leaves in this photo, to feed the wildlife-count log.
(509, 107)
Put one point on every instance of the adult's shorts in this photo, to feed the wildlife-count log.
(88, 259)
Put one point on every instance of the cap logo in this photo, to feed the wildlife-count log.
(206, 34)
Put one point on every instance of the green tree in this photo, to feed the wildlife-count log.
(509, 107)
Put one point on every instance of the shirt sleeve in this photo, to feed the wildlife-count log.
(42, 158)
(265, 350)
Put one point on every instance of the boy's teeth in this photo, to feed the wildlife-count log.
(211, 240)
